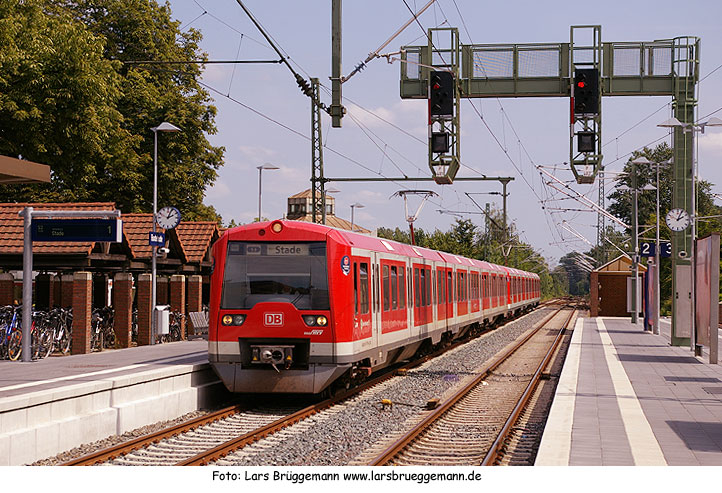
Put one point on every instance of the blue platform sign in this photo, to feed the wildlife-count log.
(648, 249)
(78, 230)
(156, 239)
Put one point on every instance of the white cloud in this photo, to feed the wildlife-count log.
(711, 141)
(257, 153)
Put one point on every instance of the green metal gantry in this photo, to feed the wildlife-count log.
(666, 67)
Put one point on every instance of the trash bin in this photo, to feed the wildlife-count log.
(162, 318)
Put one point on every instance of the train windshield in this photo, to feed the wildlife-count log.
(275, 272)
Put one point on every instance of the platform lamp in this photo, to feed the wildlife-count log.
(260, 173)
(355, 206)
(163, 127)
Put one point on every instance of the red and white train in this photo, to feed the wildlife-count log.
(296, 306)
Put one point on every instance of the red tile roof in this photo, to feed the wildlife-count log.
(136, 228)
(11, 228)
(196, 238)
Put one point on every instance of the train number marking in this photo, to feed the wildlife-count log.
(273, 319)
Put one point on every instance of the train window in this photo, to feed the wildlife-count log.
(417, 290)
(428, 287)
(410, 287)
(402, 288)
(439, 288)
(355, 288)
(263, 272)
(449, 287)
(386, 288)
(422, 286)
(364, 290)
(394, 288)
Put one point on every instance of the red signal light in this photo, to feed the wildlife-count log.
(581, 83)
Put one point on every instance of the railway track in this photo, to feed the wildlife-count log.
(472, 426)
(216, 435)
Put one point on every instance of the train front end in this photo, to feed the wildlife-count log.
(271, 325)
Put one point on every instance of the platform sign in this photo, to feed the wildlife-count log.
(156, 238)
(648, 249)
(665, 249)
(77, 230)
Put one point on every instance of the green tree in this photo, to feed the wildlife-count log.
(81, 103)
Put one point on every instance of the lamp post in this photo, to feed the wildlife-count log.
(634, 189)
(163, 127)
(354, 206)
(260, 172)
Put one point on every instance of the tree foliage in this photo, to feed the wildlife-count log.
(71, 98)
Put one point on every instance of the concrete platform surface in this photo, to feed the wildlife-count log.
(58, 403)
(626, 397)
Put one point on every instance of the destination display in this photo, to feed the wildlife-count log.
(77, 230)
(278, 249)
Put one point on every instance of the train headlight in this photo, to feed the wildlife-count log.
(233, 319)
(315, 320)
(277, 227)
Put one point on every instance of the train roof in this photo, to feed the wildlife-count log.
(376, 244)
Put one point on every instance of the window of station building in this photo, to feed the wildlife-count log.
(364, 288)
(394, 287)
(387, 289)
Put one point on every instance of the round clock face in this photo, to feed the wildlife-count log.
(677, 219)
(168, 217)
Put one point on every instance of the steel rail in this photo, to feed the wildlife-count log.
(495, 450)
(145, 440)
(391, 451)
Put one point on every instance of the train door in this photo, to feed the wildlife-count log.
(363, 298)
(376, 305)
(450, 293)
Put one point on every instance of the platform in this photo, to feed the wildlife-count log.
(626, 397)
(58, 403)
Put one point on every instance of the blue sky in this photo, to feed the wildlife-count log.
(530, 131)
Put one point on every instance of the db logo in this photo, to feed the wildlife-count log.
(273, 319)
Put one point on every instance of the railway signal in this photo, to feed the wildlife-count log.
(441, 94)
(586, 91)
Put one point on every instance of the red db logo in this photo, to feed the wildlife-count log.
(273, 319)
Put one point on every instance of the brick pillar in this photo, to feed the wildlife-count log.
(195, 298)
(42, 291)
(143, 298)
(66, 291)
(82, 311)
(178, 299)
(123, 306)
(7, 289)
(162, 291)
